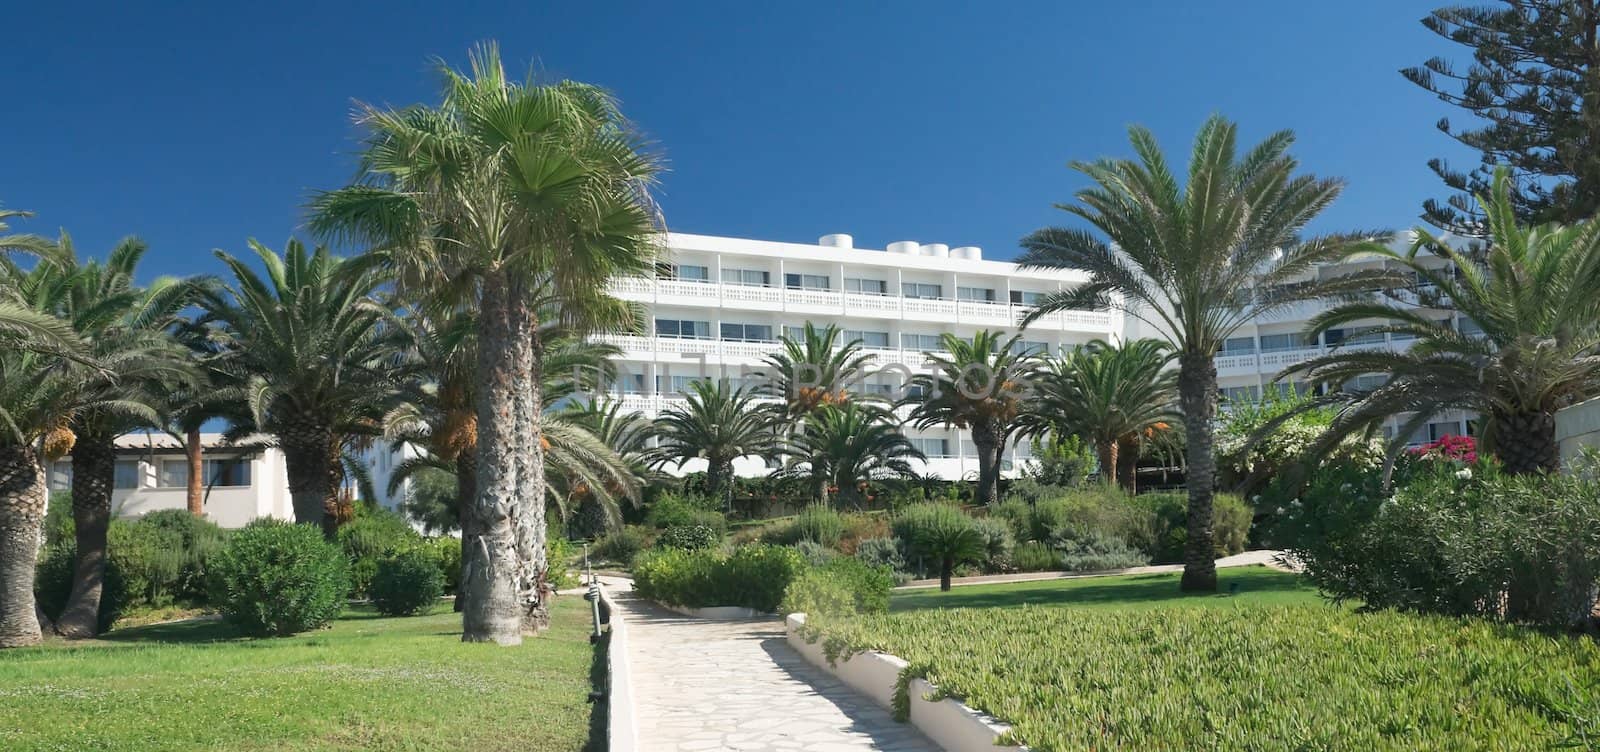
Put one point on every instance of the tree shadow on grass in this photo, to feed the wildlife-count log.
(599, 717)
(1123, 590)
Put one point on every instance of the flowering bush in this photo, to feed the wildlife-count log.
(1463, 449)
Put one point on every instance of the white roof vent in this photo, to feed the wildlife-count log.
(936, 250)
(836, 240)
(909, 247)
(968, 252)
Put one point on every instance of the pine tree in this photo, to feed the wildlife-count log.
(1534, 81)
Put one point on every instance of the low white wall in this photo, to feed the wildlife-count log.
(948, 722)
(715, 612)
(622, 729)
(1578, 427)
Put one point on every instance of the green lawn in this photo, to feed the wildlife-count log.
(1252, 584)
(368, 683)
(1127, 663)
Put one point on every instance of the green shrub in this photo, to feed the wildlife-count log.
(52, 585)
(623, 545)
(407, 583)
(820, 524)
(815, 553)
(843, 585)
(881, 552)
(369, 538)
(814, 593)
(151, 559)
(558, 555)
(445, 551)
(1034, 556)
(681, 510)
(753, 576)
(201, 538)
(1163, 536)
(938, 538)
(689, 537)
(1098, 551)
(1017, 514)
(998, 543)
(277, 578)
(58, 524)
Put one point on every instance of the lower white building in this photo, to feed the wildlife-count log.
(241, 482)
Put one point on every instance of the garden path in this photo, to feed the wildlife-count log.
(702, 684)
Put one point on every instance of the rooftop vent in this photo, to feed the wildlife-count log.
(936, 250)
(836, 240)
(908, 247)
(968, 252)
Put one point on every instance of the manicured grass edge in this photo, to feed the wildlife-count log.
(950, 723)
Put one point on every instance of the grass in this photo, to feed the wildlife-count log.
(368, 682)
(1255, 584)
(1126, 663)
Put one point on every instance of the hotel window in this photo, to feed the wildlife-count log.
(795, 333)
(683, 329)
(1027, 347)
(747, 332)
(670, 385)
(1439, 430)
(933, 448)
(806, 282)
(868, 339)
(1027, 297)
(1468, 326)
(1251, 393)
(866, 286)
(628, 383)
(1292, 389)
(1362, 335)
(691, 273)
(61, 475)
(975, 294)
(1239, 346)
(1282, 342)
(921, 342)
(880, 390)
(750, 277)
(126, 474)
(213, 473)
(922, 290)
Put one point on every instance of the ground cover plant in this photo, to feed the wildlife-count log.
(1251, 673)
(367, 683)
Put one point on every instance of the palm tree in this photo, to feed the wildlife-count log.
(717, 423)
(1116, 397)
(1533, 299)
(318, 358)
(842, 448)
(818, 368)
(1196, 261)
(127, 330)
(979, 385)
(41, 391)
(506, 194)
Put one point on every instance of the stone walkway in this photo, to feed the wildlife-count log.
(737, 685)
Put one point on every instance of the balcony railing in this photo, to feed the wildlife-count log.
(651, 347)
(695, 293)
(1277, 360)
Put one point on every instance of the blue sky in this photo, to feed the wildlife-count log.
(196, 128)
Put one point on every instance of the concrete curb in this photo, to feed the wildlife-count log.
(948, 722)
(622, 728)
(716, 613)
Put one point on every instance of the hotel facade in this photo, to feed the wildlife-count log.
(721, 304)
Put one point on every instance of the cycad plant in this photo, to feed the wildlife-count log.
(1533, 300)
(841, 449)
(718, 423)
(1196, 257)
(317, 356)
(980, 385)
(1118, 397)
(818, 368)
(506, 194)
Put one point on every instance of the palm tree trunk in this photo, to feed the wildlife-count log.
(94, 466)
(984, 439)
(1197, 395)
(466, 490)
(1107, 456)
(1128, 466)
(532, 551)
(22, 503)
(717, 472)
(195, 488)
(1525, 442)
(947, 570)
(496, 583)
(306, 451)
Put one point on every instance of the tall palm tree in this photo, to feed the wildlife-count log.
(1533, 296)
(127, 329)
(317, 355)
(842, 447)
(43, 381)
(1117, 397)
(718, 423)
(815, 369)
(506, 193)
(1196, 260)
(979, 385)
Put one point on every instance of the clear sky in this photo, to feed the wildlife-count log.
(196, 128)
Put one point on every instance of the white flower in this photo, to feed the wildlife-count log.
(1464, 473)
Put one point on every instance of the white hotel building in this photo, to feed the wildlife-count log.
(726, 301)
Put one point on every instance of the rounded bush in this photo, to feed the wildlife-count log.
(277, 578)
(819, 524)
(1034, 556)
(201, 539)
(622, 546)
(881, 552)
(446, 552)
(689, 537)
(407, 583)
(673, 510)
(373, 535)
